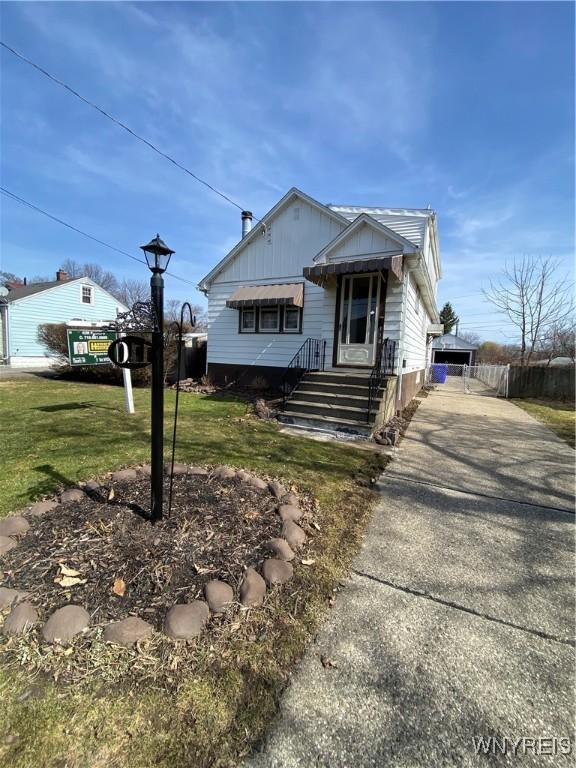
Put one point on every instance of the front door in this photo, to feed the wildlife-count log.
(359, 312)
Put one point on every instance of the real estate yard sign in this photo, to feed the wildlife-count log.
(89, 347)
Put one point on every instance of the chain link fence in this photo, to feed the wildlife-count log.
(472, 379)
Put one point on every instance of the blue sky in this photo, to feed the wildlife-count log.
(467, 107)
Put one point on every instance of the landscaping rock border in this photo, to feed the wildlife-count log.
(183, 621)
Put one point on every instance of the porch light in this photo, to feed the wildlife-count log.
(157, 255)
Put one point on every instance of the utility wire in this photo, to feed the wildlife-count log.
(122, 125)
(21, 200)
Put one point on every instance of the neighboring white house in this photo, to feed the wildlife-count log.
(348, 276)
(24, 307)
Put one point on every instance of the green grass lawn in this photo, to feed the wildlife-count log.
(559, 417)
(56, 433)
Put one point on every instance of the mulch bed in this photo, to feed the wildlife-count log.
(216, 529)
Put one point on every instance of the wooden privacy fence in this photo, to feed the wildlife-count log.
(555, 383)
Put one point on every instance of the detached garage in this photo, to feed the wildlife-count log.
(453, 350)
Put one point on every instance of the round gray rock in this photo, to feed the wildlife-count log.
(92, 486)
(224, 473)
(244, 476)
(74, 494)
(21, 617)
(293, 534)
(289, 512)
(255, 482)
(277, 489)
(277, 571)
(128, 631)
(200, 471)
(252, 589)
(42, 507)
(66, 623)
(219, 595)
(14, 526)
(281, 549)
(179, 469)
(183, 622)
(9, 596)
(291, 499)
(124, 475)
(145, 470)
(6, 544)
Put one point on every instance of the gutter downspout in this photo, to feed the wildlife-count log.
(5, 334)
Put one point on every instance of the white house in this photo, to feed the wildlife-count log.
(345, 295)
(24, 307)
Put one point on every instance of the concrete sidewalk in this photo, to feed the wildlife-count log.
(458, 619)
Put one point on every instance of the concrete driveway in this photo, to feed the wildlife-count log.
(458, 620)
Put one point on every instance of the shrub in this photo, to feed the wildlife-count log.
(54, 337)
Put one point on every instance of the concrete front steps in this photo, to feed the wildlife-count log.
(336, 401)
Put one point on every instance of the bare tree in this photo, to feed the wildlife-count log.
(174, 307)
(131, 291)
(470, 337)
(533, 298)
(103, 277)
(559, 341)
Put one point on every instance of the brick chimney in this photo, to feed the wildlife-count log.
(61, 276)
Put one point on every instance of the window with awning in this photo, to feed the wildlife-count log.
(269, 308)
(283, 294)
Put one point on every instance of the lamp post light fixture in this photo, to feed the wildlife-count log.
(157, 256)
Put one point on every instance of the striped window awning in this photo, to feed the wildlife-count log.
(267, 295)
(321, 273)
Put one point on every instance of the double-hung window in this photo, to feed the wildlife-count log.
(248, 320)
(87, 294)
(269, 319)
(292, 317)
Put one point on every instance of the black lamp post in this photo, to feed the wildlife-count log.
(157, 256)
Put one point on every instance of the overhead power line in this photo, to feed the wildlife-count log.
(22, 201)
(122, 125)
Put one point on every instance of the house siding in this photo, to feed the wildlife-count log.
(278, 256)
(294, 237)
(416, 321)
(56, 305)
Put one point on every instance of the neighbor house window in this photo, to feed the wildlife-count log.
(269, 319)
(248, 320)
(291, 320)
(87, 294)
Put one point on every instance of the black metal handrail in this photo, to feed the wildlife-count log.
(383, 366)
(310, 357)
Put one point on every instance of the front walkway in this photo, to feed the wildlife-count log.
(458, 619)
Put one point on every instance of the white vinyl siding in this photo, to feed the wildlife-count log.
(415, 325)
(295, 236)
(226, 345)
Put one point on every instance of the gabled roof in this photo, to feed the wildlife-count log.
(408, 222)
(451, 341)
(256, 230)
(25, 291)
(21, 291)
(364, 219)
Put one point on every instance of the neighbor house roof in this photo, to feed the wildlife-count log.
(451, 341)
(21, 291)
